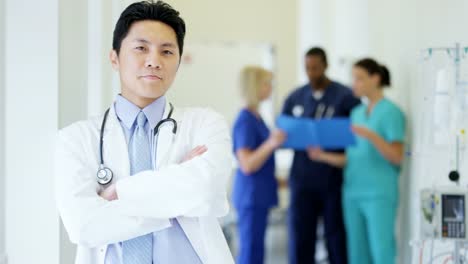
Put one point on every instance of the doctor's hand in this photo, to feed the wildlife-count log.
(110, 193)
(315, 153)
(276, 139)
(198, 151)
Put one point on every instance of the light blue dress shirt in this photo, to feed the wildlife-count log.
(171, 245)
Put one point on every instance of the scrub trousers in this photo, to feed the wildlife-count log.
(251, 225)
(370, 226)
(305, 209)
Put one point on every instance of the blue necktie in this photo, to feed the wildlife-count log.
(139, 250)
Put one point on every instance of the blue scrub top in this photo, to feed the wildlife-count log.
(258, 189)
(368, 173)
(337, 101)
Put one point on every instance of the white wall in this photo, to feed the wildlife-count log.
(326, 24)
(99, 43)
(73, 68)
(32, 227)
(222, 64)
(73, 82)
(2, 129)
(313, 20)
(347, 45)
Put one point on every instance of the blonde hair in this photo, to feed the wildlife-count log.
(252, 80)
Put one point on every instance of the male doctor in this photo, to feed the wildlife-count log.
(145, 182)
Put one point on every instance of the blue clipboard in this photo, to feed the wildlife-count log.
(334, 133)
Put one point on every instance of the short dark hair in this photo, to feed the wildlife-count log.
(373, 67)
(317, 51)
(148, 10)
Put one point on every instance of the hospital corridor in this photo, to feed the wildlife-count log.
(233, 132)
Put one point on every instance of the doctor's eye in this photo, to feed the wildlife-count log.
(168, 52)
(140, 48)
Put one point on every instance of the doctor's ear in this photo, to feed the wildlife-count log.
(114, 59)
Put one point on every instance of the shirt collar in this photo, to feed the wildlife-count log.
(127, 112)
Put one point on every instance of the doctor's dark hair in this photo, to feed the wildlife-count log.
(319, 52)
(148, 10)
(373, 67)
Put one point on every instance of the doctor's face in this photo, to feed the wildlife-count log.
(148, 61)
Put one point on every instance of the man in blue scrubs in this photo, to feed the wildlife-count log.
(316, 187)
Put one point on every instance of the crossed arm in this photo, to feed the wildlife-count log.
(145, 202)
(110, 193)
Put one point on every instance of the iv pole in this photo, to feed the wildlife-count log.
(456, 53)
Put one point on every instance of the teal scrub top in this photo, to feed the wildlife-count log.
(367, 172)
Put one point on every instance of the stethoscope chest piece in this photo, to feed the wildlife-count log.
(104, 175)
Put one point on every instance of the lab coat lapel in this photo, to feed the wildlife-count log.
(165, 138)
(115, 147)
(115, 153)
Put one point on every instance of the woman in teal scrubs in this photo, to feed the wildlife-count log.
(372, 167)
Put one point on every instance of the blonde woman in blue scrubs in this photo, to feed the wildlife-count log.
(372, 167)
(255, 187)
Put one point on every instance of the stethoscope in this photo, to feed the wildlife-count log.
(104, 174)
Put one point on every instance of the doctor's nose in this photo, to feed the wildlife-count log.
(153, 61)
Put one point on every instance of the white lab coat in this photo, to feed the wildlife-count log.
(194, 192)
